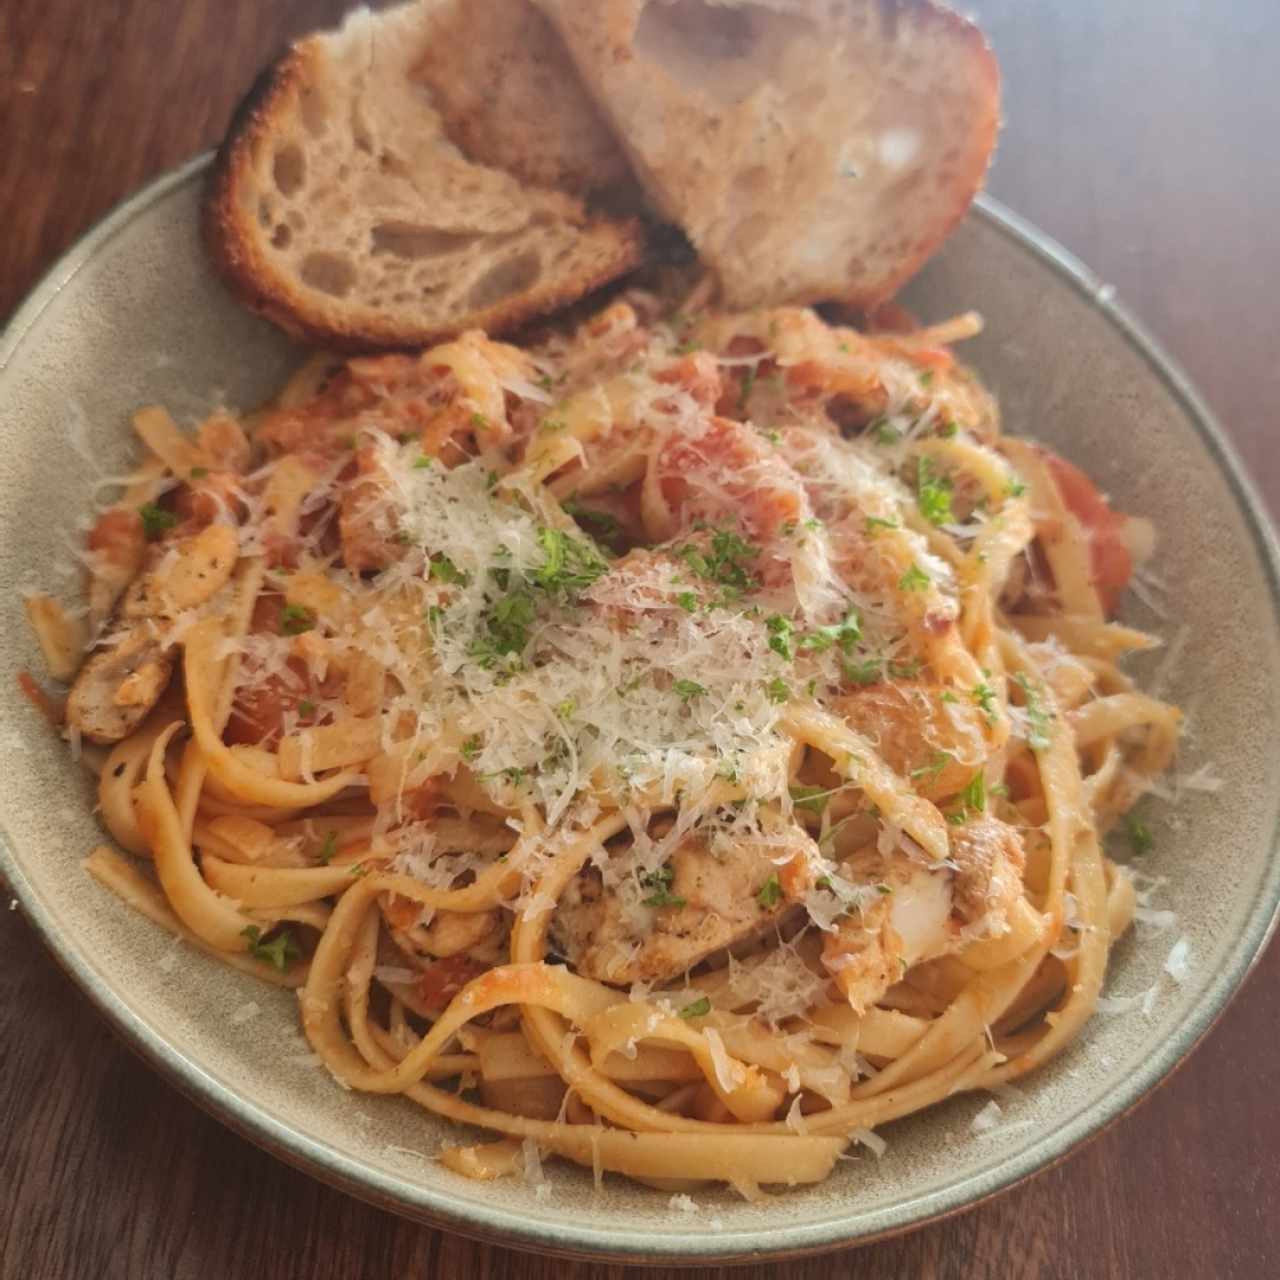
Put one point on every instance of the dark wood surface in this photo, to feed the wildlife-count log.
(1141, 133)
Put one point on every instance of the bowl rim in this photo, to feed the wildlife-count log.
(578, 1240)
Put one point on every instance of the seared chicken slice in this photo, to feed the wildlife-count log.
(922, 911)
(703, 900)
(120, 683)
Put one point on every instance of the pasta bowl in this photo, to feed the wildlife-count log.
(133, 315)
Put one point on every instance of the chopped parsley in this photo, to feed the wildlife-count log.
(566, 709)
(780, 630)
(985, 696)
(198, 473)
(948, 429)
(479, 421)
(1039, 726)
(866, 672)
(915, 579)
(778, 690)
(687, 601)
(471, 748)
(155, 520)
(1140, 838)
(444, 570)
(878, 522)
(723, 562)
(926, 378)
(885, 433)
(422, 462)
(974, 796)
(770, 892)
(660, 882)
(329, 848)
(698, 1009)
(689, 689)
(1014, 489)
(845, 633)
(506, 629)
(933, 493)
(280, 952)
(570, 565)
(306, 707)
(748, 383)
(295, 619)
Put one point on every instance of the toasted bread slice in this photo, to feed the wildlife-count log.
(338, 208)
(812, 149)
(510, 97)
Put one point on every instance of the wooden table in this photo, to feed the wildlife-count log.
(1141, 134)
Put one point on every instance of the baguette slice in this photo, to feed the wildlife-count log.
(338, 208)
(812, 149)
(510, 97)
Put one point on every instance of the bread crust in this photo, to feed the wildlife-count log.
(235, 242)
(689, 146)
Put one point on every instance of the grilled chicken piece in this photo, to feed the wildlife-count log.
(183, 574)
(119, 684)
(713, 900)
(920, 735)
(924, 912)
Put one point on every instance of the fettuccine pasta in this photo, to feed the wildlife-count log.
(681, 746)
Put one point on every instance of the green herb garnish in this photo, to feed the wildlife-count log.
(1140, 838)
(770, 892)
(778, 690)
(295, 619)
(877, 522)
(1039, 721)
(280, 952)
(915, 579)
(444, 570)
(155, 520)
(933, 493)
(660, 882)
(688, 689)
(779, 629)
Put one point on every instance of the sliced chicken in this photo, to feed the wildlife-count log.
(922, 732)
(922, 912)
(120, 683)
(655, 929)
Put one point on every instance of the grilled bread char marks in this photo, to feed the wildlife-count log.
(339, 209)
(811, 149)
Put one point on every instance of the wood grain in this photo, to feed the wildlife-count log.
(1141, 135)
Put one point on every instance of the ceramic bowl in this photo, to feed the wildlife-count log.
(132, 315)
